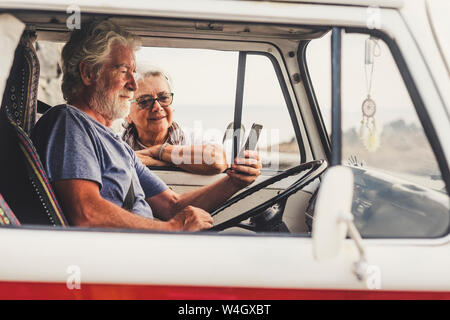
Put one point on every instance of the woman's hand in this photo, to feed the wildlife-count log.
(244, 171)
(152, 151)
(148, 160)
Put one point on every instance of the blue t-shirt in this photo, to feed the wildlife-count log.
(72, 145)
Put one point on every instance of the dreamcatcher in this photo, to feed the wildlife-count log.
(368, 131)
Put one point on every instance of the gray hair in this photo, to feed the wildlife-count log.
(91, 44)
(151, 71)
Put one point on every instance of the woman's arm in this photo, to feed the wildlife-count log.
(148, 160)
(207, 159)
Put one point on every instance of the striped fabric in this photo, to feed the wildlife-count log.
(19, 109)
(39, 178)
(20, 97)
(175, 136)
(7, 217)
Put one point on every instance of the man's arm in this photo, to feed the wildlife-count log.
(243, 172)
(85, 207)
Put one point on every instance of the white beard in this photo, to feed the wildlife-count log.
(110, 109)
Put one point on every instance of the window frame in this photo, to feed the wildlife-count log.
(312, 98)
(276, 57)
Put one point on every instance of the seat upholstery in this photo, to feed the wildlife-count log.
(7, 217)
(20, 96)
(23, 181)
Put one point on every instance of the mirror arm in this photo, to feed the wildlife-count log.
(361, 265)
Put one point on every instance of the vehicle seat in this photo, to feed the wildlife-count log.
(23, 181)
(7, 217)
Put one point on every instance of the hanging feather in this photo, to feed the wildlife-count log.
(372, 139)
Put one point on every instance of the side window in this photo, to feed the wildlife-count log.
(205, 91)
(264, 103)
(49, 92)
(204, 85)
(399, 190)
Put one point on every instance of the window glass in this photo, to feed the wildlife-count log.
(399, 190)
(204, 86)
(264, 104)
(49, 53)
(393, 139)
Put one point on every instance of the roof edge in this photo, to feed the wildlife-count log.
(360, 3)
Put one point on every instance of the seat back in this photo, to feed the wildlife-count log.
(23, 181)
(20, 96)
(7, 217)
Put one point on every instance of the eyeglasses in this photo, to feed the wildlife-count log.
(147, 101)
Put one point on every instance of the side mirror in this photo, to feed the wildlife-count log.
(332, 211)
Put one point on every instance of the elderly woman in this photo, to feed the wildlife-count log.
(157, 139)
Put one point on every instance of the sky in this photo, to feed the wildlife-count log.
(204, 85)
(208, 77)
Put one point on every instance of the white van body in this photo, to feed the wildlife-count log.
(233, 266)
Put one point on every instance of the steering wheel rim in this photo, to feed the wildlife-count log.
(315, 167)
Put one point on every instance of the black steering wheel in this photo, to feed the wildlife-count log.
(314, 169)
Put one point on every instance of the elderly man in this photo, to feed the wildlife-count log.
(96, 176)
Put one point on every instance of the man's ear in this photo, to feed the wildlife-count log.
(87, 73)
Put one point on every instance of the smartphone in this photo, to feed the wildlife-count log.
(252, 139)
(251, 142)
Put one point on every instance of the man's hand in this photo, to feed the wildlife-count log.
(166, 204)
(244, 171)
(191, 219)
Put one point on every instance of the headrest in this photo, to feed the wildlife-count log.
(20, 96)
